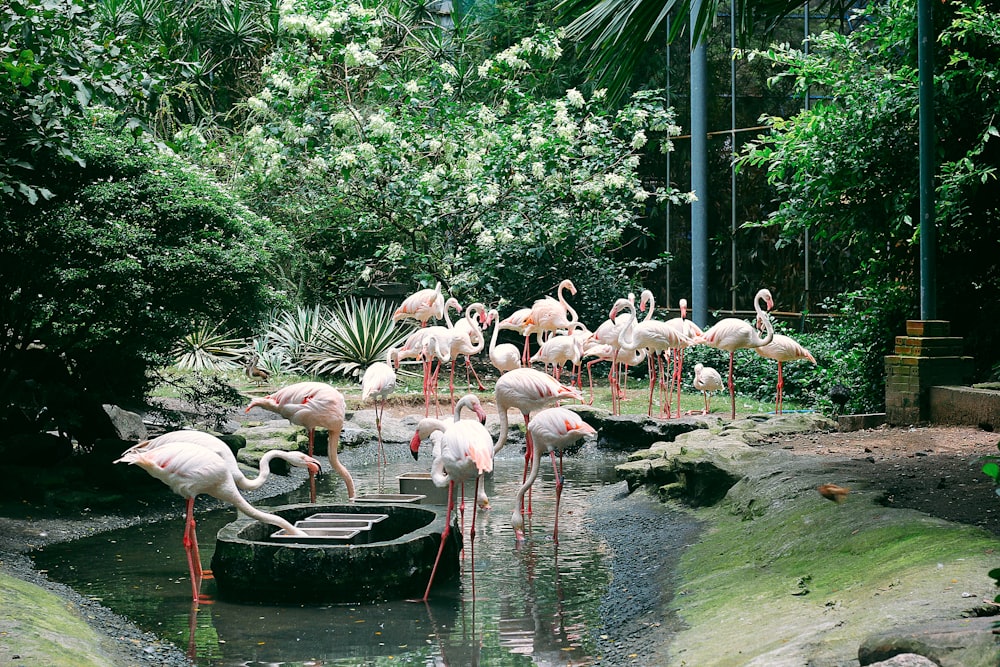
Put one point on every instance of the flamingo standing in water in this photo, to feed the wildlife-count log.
(463, 452)
(731, 334)
(551, 429)
(706, 379)
(429, 425)
(781, 349)
(527, 390)
(422, 305)
(378, 382)
(190, 469)
(312, 405)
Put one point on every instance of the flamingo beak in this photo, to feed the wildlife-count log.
(415, 446)
(481, 414)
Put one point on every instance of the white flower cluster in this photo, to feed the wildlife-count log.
(412, 87)
(575, 98)
(357, 56)
(378, 126)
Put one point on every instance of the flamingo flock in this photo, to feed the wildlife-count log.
(193, 463)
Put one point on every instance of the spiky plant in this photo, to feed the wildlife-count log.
(294, 333)
(205, 348)
(356, 334)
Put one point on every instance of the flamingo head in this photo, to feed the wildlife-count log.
(307, 462)
(415, 446)
(568, 284)
(683, 303)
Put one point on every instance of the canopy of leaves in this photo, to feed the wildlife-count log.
(106, 276)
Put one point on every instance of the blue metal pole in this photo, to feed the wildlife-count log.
(699, 176)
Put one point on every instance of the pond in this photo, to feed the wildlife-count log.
(536, 603)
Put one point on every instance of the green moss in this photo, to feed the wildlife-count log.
(44, 630)
(805, 572)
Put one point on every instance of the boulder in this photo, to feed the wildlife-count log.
(966, 642)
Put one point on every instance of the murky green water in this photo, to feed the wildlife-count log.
(536, 604)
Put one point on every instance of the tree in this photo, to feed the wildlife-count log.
(448, 169)
(847, 167)
(105, 277)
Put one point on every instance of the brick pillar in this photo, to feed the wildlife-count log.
(925, 357)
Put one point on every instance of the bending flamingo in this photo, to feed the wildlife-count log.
(190, 469)
(689, 329)
(527, 390)
(782, 349)
(731, 334)
(464, 451)
(706, 379)
(312, 405)
(551, 429)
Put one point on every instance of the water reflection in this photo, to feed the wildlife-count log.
(533, 604)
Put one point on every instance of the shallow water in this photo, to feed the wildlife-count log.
(533, 604)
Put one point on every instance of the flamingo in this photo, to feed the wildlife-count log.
(428, 344)
(504, 357)
(378, 382)
(607, 334)
(464, 451)
(656, 337)
(190, 469)
(429, 425)
(209, 441)
(731, 334)
(551, 429)
(558, 350)
(467, 340)
(312, 405)
(781, 349)
(689, 329)
(516, 321)
(422, 305)
(607, 353)
(706, 379)
(527, 390)
(548, 315)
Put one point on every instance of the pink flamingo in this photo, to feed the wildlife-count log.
(548, 315)
(516, 322)
(657, 337)
(782, 349)
(190, 469)
(706, 379)
(467, 340)
(607, 334)
(731, 334)
(463, 452)
(558, 350)
(607, 353)
(378, 382)
(312, 405)
(527, 390)
(689, 329)
(504, 357)
(551, 429)
(422, 305)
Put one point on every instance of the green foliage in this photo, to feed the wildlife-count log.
(109, 274)
(388, 158)
(205, 348)
(353, 336)
(52, 67)
(820, 162)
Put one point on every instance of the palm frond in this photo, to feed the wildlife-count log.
(205, 348)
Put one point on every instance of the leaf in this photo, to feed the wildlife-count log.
(992, 469)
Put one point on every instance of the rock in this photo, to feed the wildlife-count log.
(127, 425)
(963, 643)
(631, 432)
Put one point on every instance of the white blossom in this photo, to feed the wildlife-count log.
(575, 98)
(639, 139)
(412, 87)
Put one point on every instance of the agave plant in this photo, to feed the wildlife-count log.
(356, 334)
(207, 349)
(271, 358)
(294, 333)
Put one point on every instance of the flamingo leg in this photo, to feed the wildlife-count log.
(528, 455)
(781, 386)
(651, 366)
(444, 537)
(706, 403)
(191, 549)
(312, 475)
(470, 367)
(472, 539)
(559, 487)
(590, 377)
(678, 368)
(732, 395)
(451, 384)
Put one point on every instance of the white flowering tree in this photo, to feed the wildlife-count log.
(393, 160)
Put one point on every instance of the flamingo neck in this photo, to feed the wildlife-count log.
(762, 317)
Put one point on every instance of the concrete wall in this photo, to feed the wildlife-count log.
(965, 406)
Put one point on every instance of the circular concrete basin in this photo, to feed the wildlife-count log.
(391, 559)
